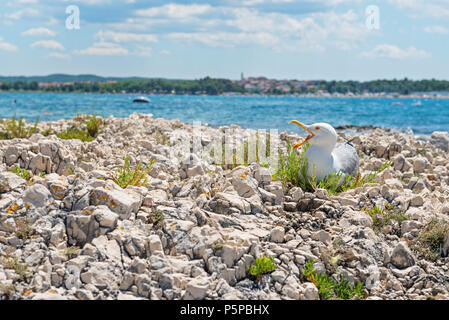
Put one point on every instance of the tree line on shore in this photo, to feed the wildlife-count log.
(202, 86)
(211, 86)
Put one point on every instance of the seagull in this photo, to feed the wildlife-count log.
(325, 154)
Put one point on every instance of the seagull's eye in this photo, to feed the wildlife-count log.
(317, 128)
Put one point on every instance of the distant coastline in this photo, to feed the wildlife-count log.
(260, 86)
(427, 95)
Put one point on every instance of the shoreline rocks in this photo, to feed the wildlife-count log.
(195, 228)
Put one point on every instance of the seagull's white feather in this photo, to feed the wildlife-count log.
(346, 158)
(326, 156)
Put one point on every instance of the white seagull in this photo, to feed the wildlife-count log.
(325, 154)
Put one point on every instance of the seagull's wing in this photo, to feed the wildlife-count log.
(346, 158)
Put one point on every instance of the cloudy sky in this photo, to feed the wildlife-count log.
(285, 39)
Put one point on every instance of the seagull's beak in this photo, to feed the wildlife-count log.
(302, 126)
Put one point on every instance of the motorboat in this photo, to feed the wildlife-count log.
(141, 100)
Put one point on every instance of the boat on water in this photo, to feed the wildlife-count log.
(397, 103)
(141, 100)
(418, 103)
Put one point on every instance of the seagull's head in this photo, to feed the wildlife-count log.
(320, 134)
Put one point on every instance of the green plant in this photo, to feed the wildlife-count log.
(126, 176)
(93, 125)
(263, 266)
(24, 229)
(429, 242)
(87, 129)
(13, 263)
(7, 289)
(329, 288)
(48, 131)
(71, 252)
(25, 174)
(386, 219)
(160, 137)
(156, 218)
(293, 169)
(217, 245)
(75, 133)
(14, 128)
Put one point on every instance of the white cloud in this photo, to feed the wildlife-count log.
(420, 8)
(394, 52)
(48, 44)
(230, 26)
(143, 51)
(25, 2)
(124, 37)
(436, 29)
(38, 32)
(173, 10)
(57, 55)
(104, 49)
(226, 39)
(5, 46)
(27, 12)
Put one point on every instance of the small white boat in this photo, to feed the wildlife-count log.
(418, 103)
(141, 100)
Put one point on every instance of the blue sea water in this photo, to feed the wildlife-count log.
(256, 112)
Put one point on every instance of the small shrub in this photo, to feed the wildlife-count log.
(75, 133)
(71, 252)
(7, 290)
(48, 131)
(293, 169)
(23, 173)
(87, 130)
(24, 229)
(429, 242)
(160, 137)
(126, 176)
(14, 264)
(263, 266)
(156, 218)
(386, 219)
(93, 125)
(328, 288)
(12, 129)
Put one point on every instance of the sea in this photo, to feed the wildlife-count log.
(414, 116)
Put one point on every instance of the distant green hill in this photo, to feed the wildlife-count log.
(68, 78)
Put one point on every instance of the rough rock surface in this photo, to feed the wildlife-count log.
(196, 227)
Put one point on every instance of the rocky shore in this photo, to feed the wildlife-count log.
(70, 232)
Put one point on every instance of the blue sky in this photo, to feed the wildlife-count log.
(284, 39)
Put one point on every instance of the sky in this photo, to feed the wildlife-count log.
(179, 39)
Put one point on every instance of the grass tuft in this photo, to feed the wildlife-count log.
(13, 263)
(429, 242)
(156, 218)
(126, 176)
(88, 127)
(17, 128)
(386, 219)
(293, 169)
(329, 288)
(71, 252)
(24, 229)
